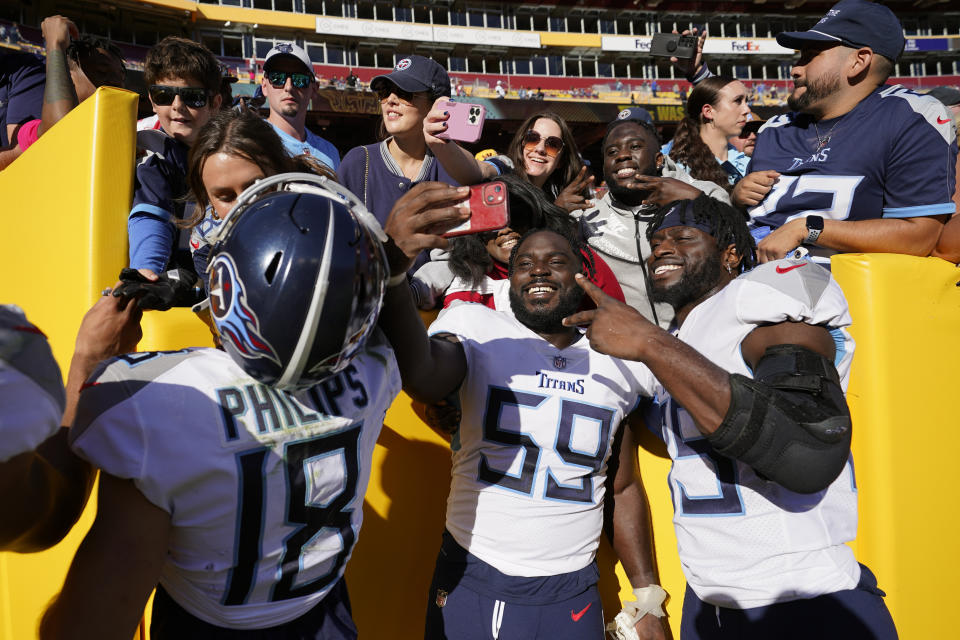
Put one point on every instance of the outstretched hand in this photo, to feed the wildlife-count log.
(418, 219)
(690, 67)
(436, 122)
(615, 329)
(571, 198)
(110, 328)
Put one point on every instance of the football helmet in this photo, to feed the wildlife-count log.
(297, 276)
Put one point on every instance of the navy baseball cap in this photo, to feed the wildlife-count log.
(634, 113)
(416, 73)
(854, 23)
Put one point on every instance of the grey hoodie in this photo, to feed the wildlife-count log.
(619, 233)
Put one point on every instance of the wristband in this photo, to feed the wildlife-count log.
(397, 279)
(648, 600)
(814, 229)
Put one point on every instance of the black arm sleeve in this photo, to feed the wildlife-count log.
(790, 422)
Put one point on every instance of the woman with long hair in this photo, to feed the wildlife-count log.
(543, 153)
(232, 151)
(379, 173)
(717, 109)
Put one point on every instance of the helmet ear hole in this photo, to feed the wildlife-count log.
(271, 271)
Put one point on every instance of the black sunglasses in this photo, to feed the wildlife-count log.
(384, 89)
(551, 144)
(163, 95)
(279, 78)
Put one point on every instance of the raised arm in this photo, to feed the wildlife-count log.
(431, 368)
(457, 161)
(59, 95)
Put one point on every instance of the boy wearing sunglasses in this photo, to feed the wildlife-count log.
(183, 83)
(289, 85)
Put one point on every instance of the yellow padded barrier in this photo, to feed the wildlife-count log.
(906, 321)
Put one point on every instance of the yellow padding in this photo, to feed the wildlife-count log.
(903, 389)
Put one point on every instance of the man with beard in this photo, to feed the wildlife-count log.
(289, 85)
(858, 166)
(639, 178)
(542, 415)
(751, 403)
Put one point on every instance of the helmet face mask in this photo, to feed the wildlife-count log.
(297, 278)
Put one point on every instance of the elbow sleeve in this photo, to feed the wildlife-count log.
(790, 422)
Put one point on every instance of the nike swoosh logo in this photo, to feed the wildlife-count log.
(939, 121)
(791, 268)
(576, 616)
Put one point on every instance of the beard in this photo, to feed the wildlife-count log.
(541, 320)
(626, 195)
(693, 284)
(817, 91)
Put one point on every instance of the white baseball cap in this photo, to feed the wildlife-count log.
(288, 50)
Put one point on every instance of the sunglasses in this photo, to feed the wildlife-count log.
(384, 89)
(551, 144)
(279, 78)
(163, 95)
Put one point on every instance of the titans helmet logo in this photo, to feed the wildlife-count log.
(236, 321)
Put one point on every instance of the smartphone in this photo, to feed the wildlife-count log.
(673, 45)
(465, 123)
(489, 210)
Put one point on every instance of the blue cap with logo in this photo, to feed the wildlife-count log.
(634, 113)
(416, 73)
(854, 23)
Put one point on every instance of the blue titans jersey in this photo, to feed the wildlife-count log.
(893, 156)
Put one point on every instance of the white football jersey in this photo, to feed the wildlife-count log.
(745, 541)
(264, 488)
(530, 456)
(31, 388)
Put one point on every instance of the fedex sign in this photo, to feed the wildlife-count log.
(744, 46)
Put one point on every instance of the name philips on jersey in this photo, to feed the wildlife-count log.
(546, 382)
(235, 319)
(263, 409)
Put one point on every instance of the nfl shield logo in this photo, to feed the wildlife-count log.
(441, 598)
(559, 362)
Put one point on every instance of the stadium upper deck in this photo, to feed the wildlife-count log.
(556, 45)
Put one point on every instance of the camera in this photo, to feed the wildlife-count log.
(673, 45)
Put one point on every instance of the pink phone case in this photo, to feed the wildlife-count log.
(465, 123)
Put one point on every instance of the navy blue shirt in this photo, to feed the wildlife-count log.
(159, 190)
(385, 182)
(892, 156)
(22, 76)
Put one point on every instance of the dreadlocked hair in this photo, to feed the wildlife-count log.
(688, 147)
(580, 250)
(530, 209)
(729, 224)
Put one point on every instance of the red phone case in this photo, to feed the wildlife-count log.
(489, 207)
(465, 123)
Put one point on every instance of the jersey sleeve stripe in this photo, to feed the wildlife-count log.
(920, 210)
(151, 210)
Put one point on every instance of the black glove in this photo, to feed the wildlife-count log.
(175, 288)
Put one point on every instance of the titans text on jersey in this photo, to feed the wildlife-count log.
(530, 456)
(892, 156)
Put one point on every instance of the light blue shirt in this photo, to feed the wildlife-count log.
(735, 165)
(314, 145)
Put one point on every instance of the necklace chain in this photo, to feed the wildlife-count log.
(824, 140)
